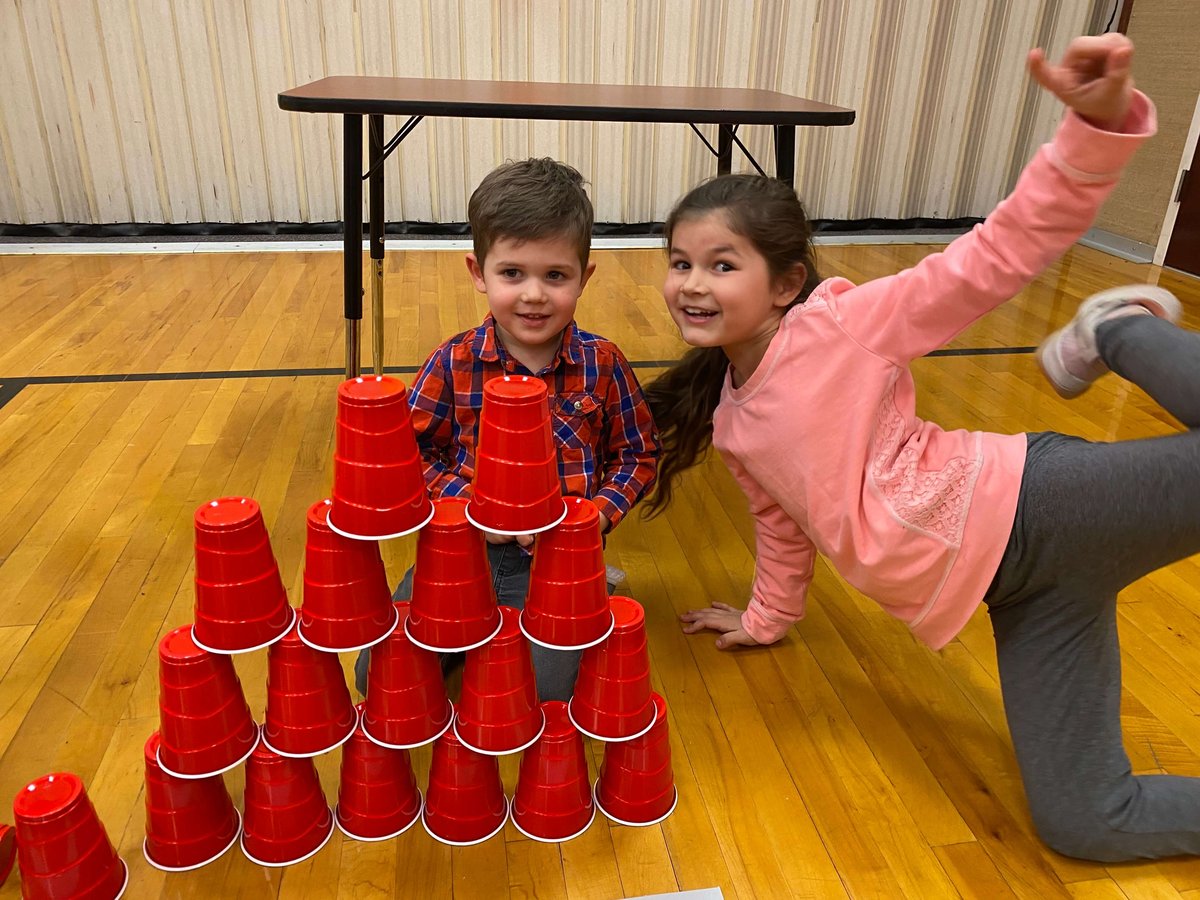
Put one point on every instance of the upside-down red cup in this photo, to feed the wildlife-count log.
(189, 822)
(612, 692)
(62, 847)
(553, 801)
(309, 711)
(453, 601)
(636, 784)
(516, 488)
(241, 604)
(204, 721)
(465, 802)
(286, 817)
(378, 477)
(406, 702)
(377, 796)
(347, 603)
(567, 604)
(498, 711)
(8, 851)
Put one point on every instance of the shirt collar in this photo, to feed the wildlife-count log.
(487, 347)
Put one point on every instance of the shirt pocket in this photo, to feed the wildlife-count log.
(578, 420)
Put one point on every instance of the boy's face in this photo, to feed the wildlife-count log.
(532, 289)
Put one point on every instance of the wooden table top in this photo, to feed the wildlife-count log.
(365, 95)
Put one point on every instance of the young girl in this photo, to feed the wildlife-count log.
(803, 387)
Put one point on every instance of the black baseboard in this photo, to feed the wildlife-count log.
(75, 231)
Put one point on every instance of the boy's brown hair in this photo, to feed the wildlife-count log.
(531, 200)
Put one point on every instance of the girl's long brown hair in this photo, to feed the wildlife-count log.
(767, 213)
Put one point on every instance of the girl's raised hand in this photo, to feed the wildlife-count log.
(719, 617)
(1093, 77)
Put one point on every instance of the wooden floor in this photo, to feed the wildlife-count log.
(845, 761)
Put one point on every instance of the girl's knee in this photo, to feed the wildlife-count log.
(1085, 837)
(1083, 833)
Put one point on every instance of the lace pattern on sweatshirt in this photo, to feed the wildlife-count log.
(933, 501)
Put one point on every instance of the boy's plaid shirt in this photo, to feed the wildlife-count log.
(603, 431)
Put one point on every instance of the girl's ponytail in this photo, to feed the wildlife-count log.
(682, 401)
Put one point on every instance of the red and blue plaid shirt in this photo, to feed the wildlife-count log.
(607, 445)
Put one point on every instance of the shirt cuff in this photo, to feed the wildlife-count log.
(762, 629)
(612, 509)
(1089, 153)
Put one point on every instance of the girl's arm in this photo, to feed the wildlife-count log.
(907, 315)
(784, 558)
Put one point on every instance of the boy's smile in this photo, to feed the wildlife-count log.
(532, 288)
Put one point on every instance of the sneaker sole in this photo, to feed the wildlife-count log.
(1064, 383)
(1161, 303)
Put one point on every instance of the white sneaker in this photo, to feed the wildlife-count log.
(1069, 357)
(613, 575)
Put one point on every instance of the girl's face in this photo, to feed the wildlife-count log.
(720, 292)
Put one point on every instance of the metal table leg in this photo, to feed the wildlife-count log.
(785, 154)
(375, 202)
(724, 149)
(352, 237)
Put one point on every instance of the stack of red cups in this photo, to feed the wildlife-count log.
(516, 487)
(62, 847)
(241, 604)
(453, 603)
(347, 603)
(378, 480)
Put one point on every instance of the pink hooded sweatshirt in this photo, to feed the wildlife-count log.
(824, 438)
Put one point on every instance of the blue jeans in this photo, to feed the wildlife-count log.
(555, 669)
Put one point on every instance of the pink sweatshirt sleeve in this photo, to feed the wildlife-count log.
(904, 316)
(783, 566)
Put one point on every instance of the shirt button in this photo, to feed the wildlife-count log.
(578, 405)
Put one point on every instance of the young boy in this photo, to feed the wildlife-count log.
(531, 224)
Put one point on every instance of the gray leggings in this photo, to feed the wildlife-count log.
(1093, 518)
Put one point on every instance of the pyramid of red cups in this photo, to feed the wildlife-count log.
(206, 727)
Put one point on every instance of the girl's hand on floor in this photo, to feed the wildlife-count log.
(719, 617)
(1093, 77)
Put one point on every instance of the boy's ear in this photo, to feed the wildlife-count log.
(790, 285)
(587, 273)
(476, 273)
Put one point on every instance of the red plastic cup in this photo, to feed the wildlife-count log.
(377, 796)
(241, 604)
(347, 602)
(636, 785)
(406, 695)
(378, 477)
(554, 800)
(286, 817)
(62, 847)
(8, 851)
(189, 822)
(204, 722)
(465, 802)
(567, 604)
(612, 692)
(498, 712)
(309, 711)
(516, 487)
(453, 602)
